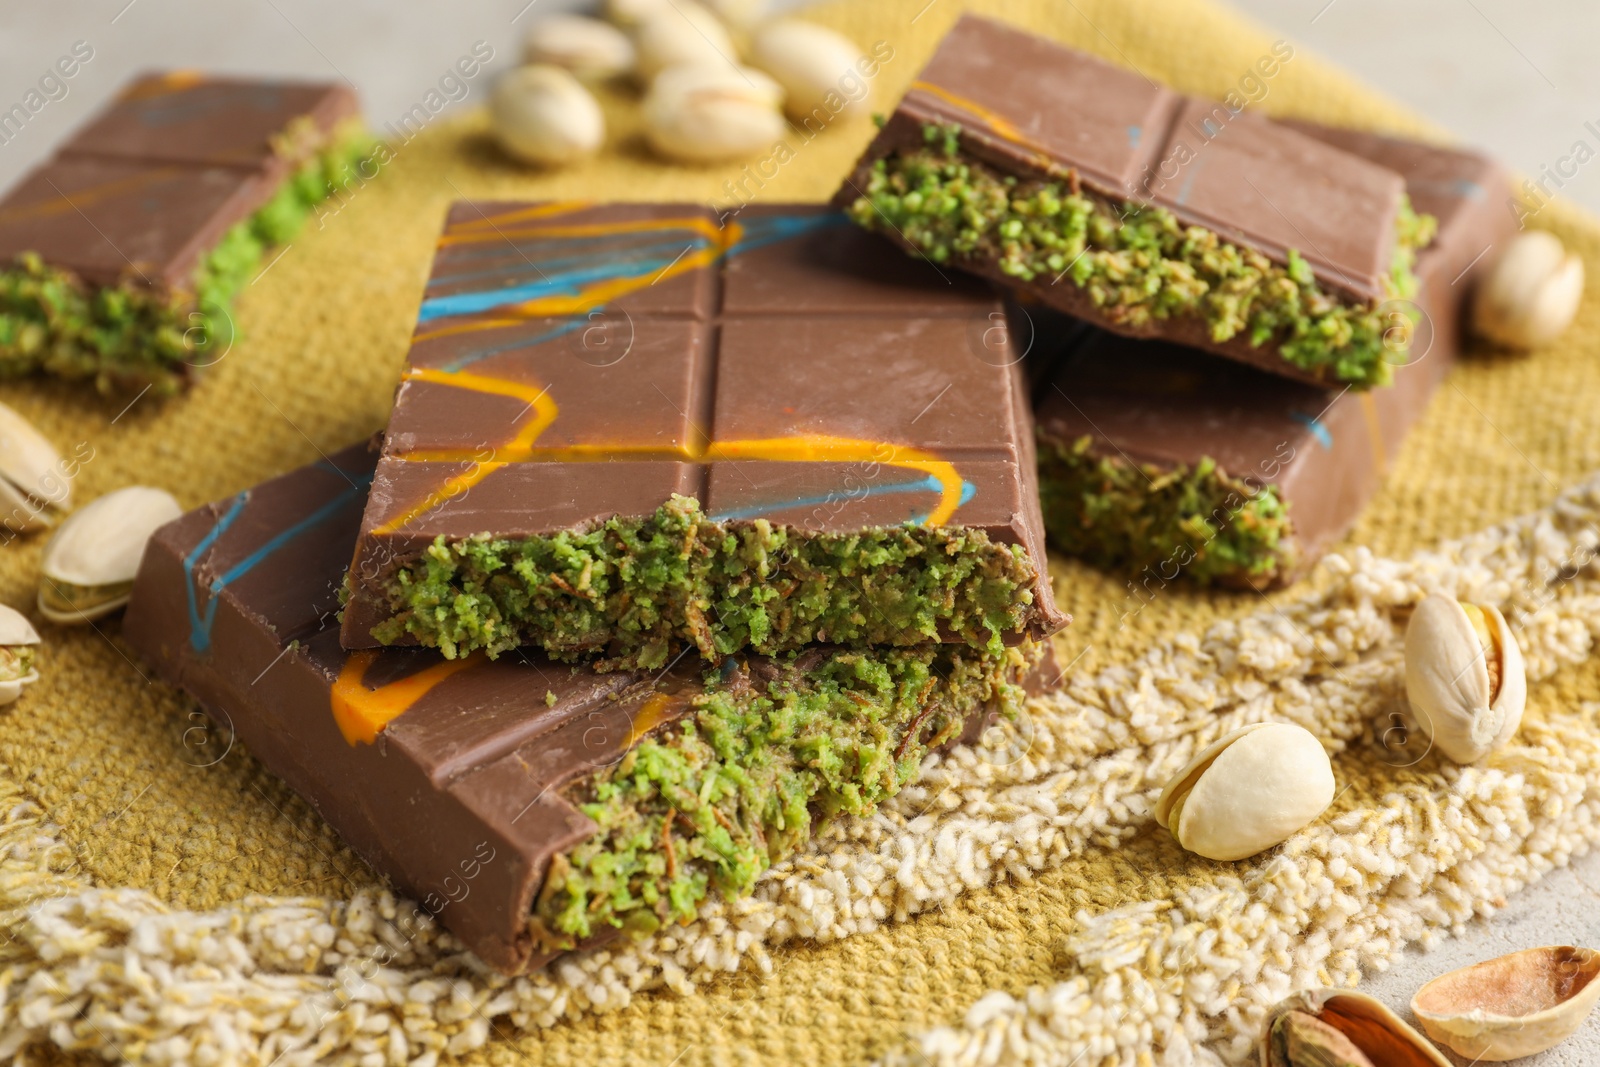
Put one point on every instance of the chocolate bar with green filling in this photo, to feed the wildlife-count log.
(122, 254)
(626, 429)
(1157, 461)
(1146, 212)
(533, 806)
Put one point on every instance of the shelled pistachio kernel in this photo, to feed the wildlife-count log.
(18, 661)
(32, 489)
(1248, 791)
(90, 562)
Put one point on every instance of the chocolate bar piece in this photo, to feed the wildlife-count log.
(533, 806)
(1152, 214)
(124, 251)
(628, 428)
(1158, 461)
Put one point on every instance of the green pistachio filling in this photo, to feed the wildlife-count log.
(1199, 521)
(16, 662)
(751, 773)
(635, 589)
(127, 336)
(1136, 262)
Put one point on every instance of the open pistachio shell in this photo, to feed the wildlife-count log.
(17, 638)
(1464, 677)
(91, 561)
(31, 485)
(1248, 791)
(1319, 1027)
(1513, 1006)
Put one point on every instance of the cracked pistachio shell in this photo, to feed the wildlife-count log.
(1513, 1006)
(1464, 677)
(542, 114)
(1339, 1028)
(682, 34)
(589, 48)
(815, 66)
(1248, 791)
(90, 562)
(31, 485)
(1530, 294)
(17, 636)
(709, 114)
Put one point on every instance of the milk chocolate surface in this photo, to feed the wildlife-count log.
(572, 364)
(1159, 407)
(1036, 110)
(203, 121)
(150, 185)
(449, 778)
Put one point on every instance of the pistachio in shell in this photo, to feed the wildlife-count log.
(1248, 791)
(1340, 1028)
(32, 489)
(1465, 678)
(1511, 1006)
(91, 561)
(18, 668)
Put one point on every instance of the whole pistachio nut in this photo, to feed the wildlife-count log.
(682, 34)
(1248, 791)
(32, 489)
(18, 663)
(629, 13)
(710, 114)
(590, 49)
(739, 14)
(1464, 677)
(819, 70)
(1339, 1028)
(1530, 294)
(1513, 1006)
(542, 114)
(90, 562)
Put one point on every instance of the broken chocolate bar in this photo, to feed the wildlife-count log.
(533, 806)
(628, 428)
(1123, 203)
(123, 253)
(1158, 461)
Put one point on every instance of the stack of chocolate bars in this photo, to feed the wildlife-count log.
(693, 573)
(125, 250)
(689, 533)
(1329, 268)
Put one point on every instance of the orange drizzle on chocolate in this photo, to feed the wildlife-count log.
(362, 713)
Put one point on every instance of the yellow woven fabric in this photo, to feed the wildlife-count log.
(103, 751)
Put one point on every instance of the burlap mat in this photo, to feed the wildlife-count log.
(1020, 905)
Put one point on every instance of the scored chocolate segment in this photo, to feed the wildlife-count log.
(453, 779)
(196, 120)
(107, 220)
(1210, 436)
(1024, 110)
(598, 361)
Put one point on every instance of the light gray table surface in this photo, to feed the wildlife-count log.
(1518, 78)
